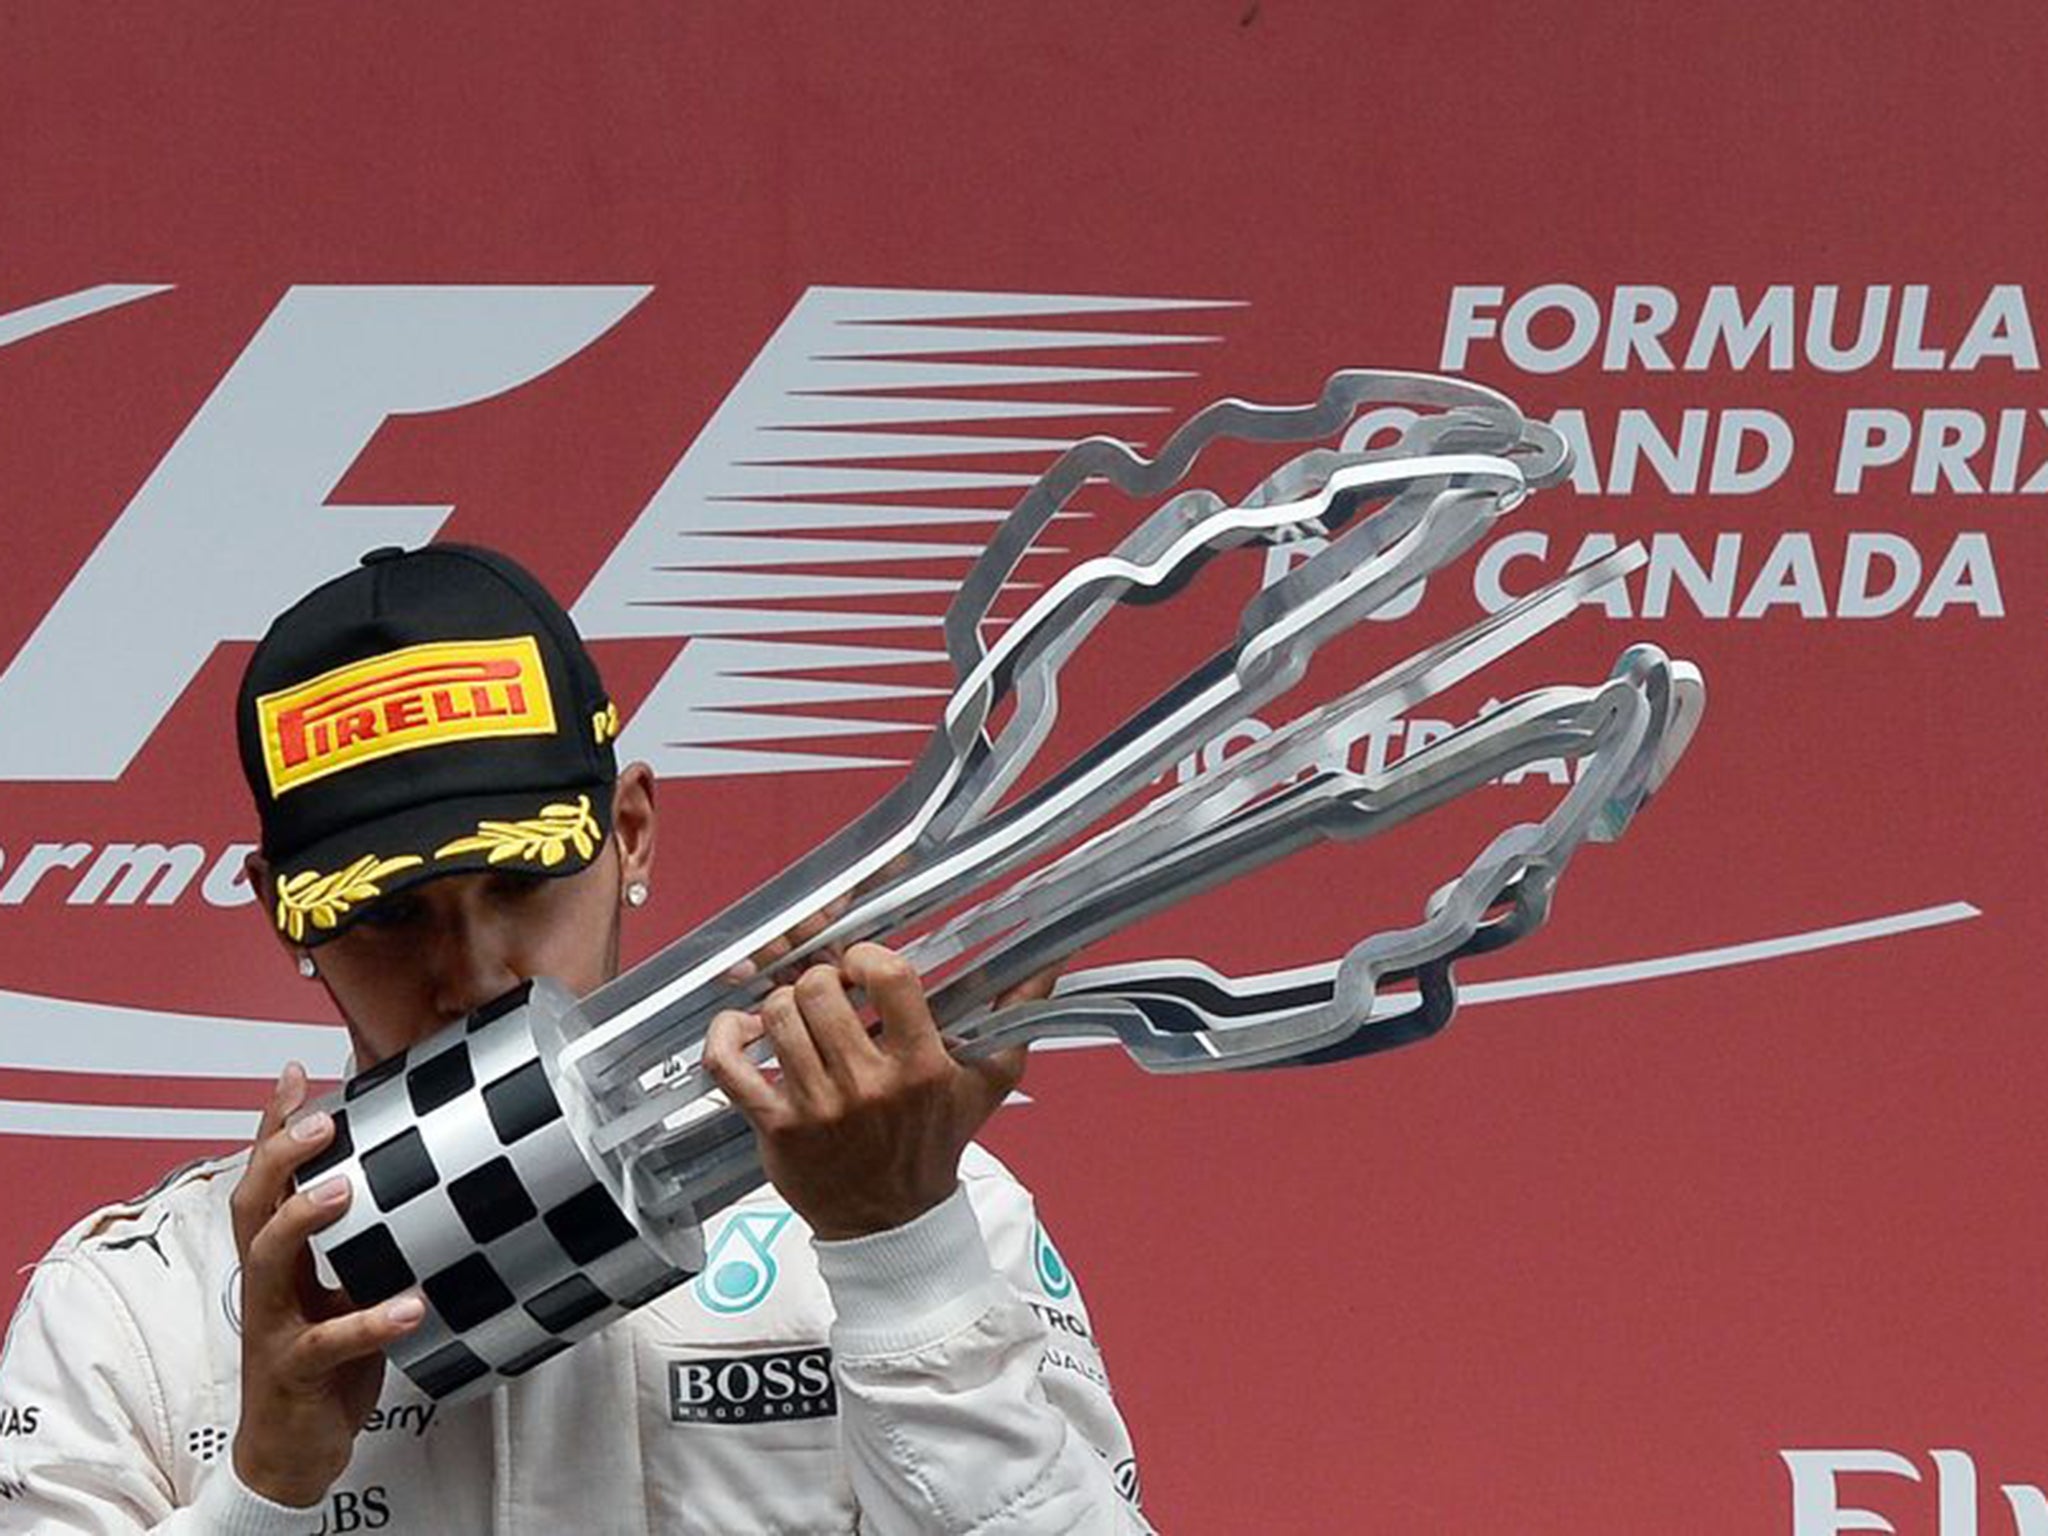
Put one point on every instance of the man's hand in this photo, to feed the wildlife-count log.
(311, 1367)
(770, 956)
(860, 1131)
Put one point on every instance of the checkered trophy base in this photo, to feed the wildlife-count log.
(548, 1164)
(470, 1183)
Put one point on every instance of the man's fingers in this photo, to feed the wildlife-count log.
(892, 985)
(725, 1058)
(271, 1264)
(288, 1094)
(280, 1147)
(996, 1076)
(812, 926)
(816, 924)
(837, 1031)
(765, 958)
(326, 1346)
(804, 1077)
(1034, 989)
(883, 876)
(771, 955)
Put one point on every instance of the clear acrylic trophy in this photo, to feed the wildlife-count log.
(548, 1164)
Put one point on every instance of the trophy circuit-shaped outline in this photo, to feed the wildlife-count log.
(560, 1166)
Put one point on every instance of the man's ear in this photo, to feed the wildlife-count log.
(633, 824)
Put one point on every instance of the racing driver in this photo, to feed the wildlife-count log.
(179, 1367)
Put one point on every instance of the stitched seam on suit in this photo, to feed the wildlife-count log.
(159, 1412)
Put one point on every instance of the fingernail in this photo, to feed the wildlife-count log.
(311, 1127)
(404, 1311)
(746, 970)
(330, 1191)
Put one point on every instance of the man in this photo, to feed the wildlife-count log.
(430, 749)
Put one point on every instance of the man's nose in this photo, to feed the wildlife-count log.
(474, 963)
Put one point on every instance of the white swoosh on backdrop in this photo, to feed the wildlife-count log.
(20, 324)
(801, 551)
(54, 1034)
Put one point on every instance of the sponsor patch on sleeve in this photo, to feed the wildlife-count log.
(422, 696)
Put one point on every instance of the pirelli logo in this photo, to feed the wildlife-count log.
(422, 696)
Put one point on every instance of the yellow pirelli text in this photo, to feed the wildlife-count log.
(422, 696)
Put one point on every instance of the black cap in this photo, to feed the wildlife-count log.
(431, 713)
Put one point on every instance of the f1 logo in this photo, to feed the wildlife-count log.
(234, 520)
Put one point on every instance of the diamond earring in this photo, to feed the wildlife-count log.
(307, 968)
(636, 893)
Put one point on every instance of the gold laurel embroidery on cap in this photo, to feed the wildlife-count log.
(546, 838)
(604, 725)
(323, 900)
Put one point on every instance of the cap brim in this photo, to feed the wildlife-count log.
(324, 888)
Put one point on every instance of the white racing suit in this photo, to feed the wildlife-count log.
(938, 1378)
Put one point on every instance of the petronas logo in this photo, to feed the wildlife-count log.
(739, 1271)
(1053, 1274)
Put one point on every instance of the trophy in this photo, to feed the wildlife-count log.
(548, 1164)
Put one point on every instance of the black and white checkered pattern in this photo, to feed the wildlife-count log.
(469, 1183)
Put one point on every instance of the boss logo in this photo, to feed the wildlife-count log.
(753, 1389)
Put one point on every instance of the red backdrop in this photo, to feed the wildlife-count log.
(1589, 1261)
